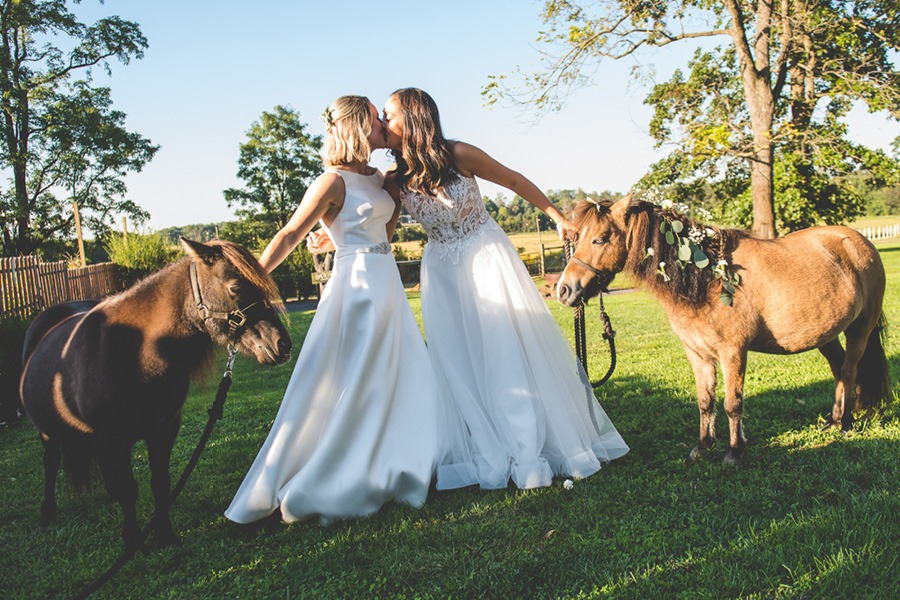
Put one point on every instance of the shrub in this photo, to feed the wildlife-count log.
(12, 332)
(138, 255)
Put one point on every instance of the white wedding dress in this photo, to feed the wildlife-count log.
(516, 402)
(357, 426)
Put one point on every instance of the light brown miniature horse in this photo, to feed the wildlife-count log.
(781, 296)
(99, 376)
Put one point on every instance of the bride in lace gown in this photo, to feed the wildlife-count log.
(357, 426)
(517, 405)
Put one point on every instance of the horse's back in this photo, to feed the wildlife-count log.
(49, 319)
(46, 384)
(807, 287)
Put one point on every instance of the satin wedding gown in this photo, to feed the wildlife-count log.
(357, 426)
(516, 402)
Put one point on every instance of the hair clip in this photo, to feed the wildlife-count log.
(326, 116)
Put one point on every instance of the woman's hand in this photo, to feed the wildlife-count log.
(318, 242)
(565, 230)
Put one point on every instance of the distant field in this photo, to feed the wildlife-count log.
(531, 241)
(881, 221)
(525, 242)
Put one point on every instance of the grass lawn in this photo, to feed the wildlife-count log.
(808, 514)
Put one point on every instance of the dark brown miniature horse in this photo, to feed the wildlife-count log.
(780, 296)
(98, 377)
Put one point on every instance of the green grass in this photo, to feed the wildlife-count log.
(810, 513)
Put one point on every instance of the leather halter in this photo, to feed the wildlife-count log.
(236, 318)
(597, 272)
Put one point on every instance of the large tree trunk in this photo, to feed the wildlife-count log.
(762, 188)
(755, 74)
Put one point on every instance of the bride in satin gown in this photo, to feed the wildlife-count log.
(357, 425)
(517, 403)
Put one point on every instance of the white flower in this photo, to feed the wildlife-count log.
(710, 233)
(666, 204)
(567, 484)
(650, 252)
(662, 265)
(722, 263)
(696, 235)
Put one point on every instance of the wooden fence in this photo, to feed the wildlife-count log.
(28, 285)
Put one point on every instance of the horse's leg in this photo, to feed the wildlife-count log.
(733, 368)
(114, 457)
(52, 459)
(835, 355)
(845, 392)
(705, 377)
(159, 450)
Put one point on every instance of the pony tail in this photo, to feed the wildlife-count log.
(873, 377)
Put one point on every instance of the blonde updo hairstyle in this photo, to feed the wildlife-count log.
(347, 128)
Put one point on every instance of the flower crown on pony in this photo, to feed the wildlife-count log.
(691, 241)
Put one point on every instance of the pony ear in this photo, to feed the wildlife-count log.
(620, 208)
(198, 250)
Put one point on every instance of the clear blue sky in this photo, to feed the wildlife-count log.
(213, 67)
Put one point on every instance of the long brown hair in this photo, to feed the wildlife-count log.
(424, 162)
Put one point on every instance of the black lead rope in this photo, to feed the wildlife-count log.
(580, 334)
(215, 413)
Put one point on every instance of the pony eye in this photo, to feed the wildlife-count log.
(600, 240)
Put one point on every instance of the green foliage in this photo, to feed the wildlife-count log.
(137, 255)
(810, 513)
(12, 332)
(62, 142)
(279, 160)
(411, 232)
(784, 84)
(518, 216)
(201, 232)
(294, 275)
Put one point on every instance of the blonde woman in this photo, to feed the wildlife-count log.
(357, 426)
(500, 360)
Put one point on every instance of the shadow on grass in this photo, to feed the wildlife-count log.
(808, 509)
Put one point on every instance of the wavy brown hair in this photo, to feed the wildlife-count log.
(424, 162)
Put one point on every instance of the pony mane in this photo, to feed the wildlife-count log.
(689, 285)
(249, 268)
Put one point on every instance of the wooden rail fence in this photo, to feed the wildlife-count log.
(28, 285)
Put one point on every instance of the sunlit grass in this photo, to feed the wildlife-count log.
(810, 513)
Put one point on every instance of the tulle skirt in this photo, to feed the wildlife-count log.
(357, 426)
(516, 402)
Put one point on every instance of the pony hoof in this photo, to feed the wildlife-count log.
(693, 456)
(733, 458)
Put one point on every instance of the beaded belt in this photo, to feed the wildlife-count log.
(382, 248)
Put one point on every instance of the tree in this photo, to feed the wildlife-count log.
(87, 154)
(790, 71)
(35, 78)
(278, 163)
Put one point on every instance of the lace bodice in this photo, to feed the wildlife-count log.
(452, 219)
